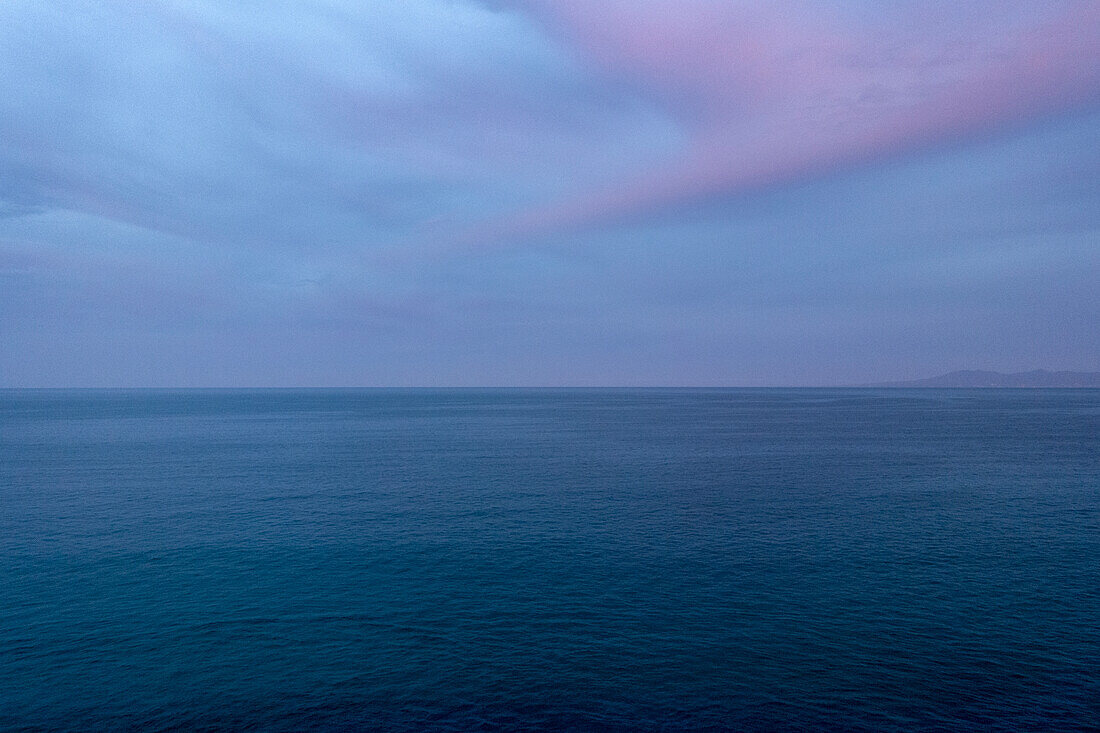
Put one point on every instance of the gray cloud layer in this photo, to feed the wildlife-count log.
(204, 194)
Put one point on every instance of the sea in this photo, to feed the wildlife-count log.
(652, 560)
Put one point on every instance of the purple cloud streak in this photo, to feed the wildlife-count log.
(776, 93)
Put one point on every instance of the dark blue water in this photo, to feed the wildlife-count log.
(760, 559)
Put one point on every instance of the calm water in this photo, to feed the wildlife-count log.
(772, 559)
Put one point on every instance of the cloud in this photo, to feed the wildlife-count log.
(295, 125)
(779, 92)
(208, 192)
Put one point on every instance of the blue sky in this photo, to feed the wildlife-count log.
(546, 192)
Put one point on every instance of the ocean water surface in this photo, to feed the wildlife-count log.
(591, 559)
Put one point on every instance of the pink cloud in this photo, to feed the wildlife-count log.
(777, 92)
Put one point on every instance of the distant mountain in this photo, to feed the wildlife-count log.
(971, 378)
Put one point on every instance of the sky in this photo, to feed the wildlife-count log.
(546, 192)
